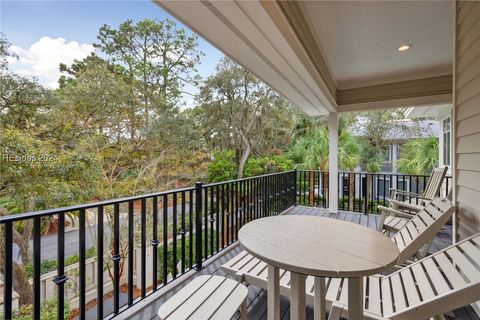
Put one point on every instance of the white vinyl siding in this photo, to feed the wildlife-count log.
(467, 117)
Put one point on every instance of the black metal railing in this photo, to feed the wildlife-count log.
(182, 228)
(359, 191)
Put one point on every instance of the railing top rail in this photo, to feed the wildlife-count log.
(54, 211)
(247, 178)
(373, 173)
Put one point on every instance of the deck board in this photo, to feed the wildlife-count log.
(257, 298)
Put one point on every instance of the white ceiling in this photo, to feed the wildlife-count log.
(359, 39)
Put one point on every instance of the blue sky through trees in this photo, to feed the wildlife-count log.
(45, 33)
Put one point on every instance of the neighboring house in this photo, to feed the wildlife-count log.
(443, 114)
(402, 132)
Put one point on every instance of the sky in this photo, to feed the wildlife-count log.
(45, 33)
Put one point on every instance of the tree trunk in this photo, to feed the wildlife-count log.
(325, 186)
(311, 189)
(368, 192)
(245, 154)
(351, 188)
(20, 278)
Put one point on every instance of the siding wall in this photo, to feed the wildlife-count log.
(467, 116)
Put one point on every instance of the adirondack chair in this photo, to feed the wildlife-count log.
(411, 240)
(442, 282)
(414, 202)
(398, 212)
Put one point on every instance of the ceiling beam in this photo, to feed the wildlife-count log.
(405, 93)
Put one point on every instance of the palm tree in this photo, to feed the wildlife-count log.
(311, 153)
(371, 161)
(419, 156)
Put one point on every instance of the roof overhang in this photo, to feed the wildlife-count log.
(285, 45)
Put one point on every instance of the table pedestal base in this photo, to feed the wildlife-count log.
(319, 307)
(298, 302)
(273, 293)
(355, 298)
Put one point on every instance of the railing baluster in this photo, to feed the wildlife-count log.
(174, 236)
(190, 229)
(207, 217)
(236, 197)
(198, 224)
(7, 280)
(165, 239)
(36, 266)
(130, 252)
(217, 218)
(212, 220)
(116, 258)
(81, 265)
(228, 213)
(155, 243)
(143, 246)
(61, 278)
(182, 233)
(222, 224)
(100, 227)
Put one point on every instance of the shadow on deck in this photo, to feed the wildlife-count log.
(257, 298)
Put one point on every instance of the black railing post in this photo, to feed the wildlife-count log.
(8, 282)
(295, 187)
(198, 225)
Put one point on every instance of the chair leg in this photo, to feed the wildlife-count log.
(243, 310)
(335, 311)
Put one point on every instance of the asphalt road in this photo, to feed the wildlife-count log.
(49, 243)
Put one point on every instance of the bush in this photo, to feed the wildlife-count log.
(50, 265)
(223, 167)
(269, 164)
(170, 263)
(48, 311)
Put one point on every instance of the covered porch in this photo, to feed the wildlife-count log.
(257, 298)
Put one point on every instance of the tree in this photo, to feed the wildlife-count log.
(311, 153)
(240, 112)
(160, 59)
(419, 156)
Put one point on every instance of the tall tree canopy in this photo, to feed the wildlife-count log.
(240, 112)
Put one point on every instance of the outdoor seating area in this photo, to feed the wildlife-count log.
(412, 291)
(321, 162)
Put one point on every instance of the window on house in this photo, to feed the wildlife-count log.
(446, 141)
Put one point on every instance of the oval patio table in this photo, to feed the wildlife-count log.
(320, 247)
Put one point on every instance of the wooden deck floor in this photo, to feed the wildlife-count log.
(257, 298)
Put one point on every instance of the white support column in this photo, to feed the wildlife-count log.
(333, 162)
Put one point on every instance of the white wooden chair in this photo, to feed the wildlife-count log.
(411, 240)
(442, 282)
(206, 297)
(413, 202)
(437, 284)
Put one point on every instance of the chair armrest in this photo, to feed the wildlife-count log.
(394, 212)
(407, 194)
(386, 211)
(397, 205)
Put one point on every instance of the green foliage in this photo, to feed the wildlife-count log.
(371, 158)
(269, 164)
(311, 151)
(48, 311)
(50, 265)
(212, 238)
(223, 167)
(419, 156)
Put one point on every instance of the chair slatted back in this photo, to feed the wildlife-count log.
(422, 227)
(434, 183)
(437, 284)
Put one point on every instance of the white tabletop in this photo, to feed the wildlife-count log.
(318, 246)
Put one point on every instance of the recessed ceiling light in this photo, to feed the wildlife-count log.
(404, 47)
